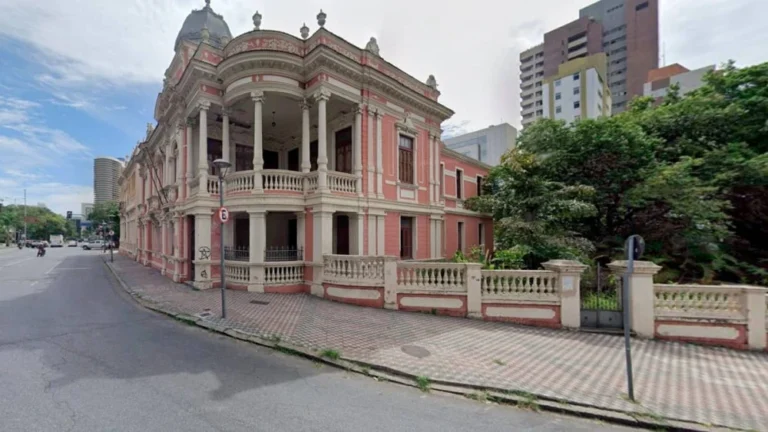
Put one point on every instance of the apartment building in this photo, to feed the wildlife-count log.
(106, 172)
(627, 31)
(578, 90)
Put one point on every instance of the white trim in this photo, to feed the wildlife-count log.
(442, 180)
(397, 108)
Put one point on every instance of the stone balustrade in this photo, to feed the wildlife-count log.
(284, 273)
(432, 277)
(213, 185)
(700, 302)
(240, 181)
(237, 272)
(354, 270)
(283, 180)
(342, 182)
(525, 285)
(311, 182)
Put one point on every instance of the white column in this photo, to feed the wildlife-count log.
(188, 155)
(357, 152)
(306, 164)
(226, 151)
(258, 156)
(202, 240)
(202, 159)
(301, 231)
(178, 158)
(257, 236)
(371, 155)
(431, 163)
(322, 230)
(322, 97)
(356, 226)
(177, 247)
(380, 239)
(379, 158)
(371, 234)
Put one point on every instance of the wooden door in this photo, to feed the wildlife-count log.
(344, 150)
(342, 235)
(406, 238)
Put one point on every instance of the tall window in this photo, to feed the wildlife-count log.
(459, 184)
(479, 185)
(344, 150)
(461, 236)
(405, 157)
(406, 238)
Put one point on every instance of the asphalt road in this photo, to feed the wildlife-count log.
(76, 354)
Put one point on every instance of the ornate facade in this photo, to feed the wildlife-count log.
(333, 150)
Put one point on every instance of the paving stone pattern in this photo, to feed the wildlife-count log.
(679, 381)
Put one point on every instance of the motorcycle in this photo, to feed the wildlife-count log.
(19, 245)
(41, 251)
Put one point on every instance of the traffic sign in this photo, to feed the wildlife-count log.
(223, 215)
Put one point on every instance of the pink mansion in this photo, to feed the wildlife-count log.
(333, 151)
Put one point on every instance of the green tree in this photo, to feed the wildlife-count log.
(533, 214)
(108, 213)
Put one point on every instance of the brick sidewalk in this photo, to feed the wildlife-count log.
(685, 382)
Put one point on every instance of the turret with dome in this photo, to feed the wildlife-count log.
(204, 19)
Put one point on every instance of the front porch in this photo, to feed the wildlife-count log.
(276, 142)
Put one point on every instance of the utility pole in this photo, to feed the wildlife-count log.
(25, 215)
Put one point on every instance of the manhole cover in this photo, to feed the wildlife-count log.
(415, 351)
(259, 302)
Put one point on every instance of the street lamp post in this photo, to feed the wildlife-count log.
(222, 168)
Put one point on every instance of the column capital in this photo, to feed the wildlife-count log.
(359, 109)
(257, 96)
(226, 111)
(434, 136)
(191, 122)
(322, 95)
(305, 104)
(203, 105)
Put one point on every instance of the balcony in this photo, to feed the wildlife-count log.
(285, 181)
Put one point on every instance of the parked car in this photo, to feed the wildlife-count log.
(72, 243)
(93, 244)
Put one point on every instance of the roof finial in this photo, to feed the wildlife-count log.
(207, 4)
(205, 33)
(304, 31)
(321, 18)
(372, 46)
(257, 20)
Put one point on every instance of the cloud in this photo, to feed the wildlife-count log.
(471, 48)
(59, 197)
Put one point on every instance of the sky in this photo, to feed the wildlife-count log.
(79, 78)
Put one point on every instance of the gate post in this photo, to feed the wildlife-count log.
(568, 280)
(641, 298)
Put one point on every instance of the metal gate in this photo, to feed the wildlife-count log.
(601, 300)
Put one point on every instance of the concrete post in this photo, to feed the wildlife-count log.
(641, 295)
(756, 317)
(203, 252)
(322, 140)
(257, 244)
(202, 156)
(569, 278)
(226, 150)
(258, 155)
(474, 291)
(390, 283)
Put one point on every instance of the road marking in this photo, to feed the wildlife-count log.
(74, 268)
(16, 262)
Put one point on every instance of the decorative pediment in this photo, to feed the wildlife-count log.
(406, 125)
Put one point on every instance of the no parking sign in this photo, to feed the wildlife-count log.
(223, 215)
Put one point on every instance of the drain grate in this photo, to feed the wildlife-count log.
(415, 351)
(259, 302)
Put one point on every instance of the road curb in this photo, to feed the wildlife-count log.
(645, 420)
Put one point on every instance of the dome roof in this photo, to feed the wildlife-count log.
(193, 26)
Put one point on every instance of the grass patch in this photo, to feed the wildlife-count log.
(330, 354)
(423, 383)
(365, 370)
(480, 396)
(603, 300)
(499, 362)
(529, 400)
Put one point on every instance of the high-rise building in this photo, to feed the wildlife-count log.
(578, 90)
(627, 31)
(486, 145)
(106, 171)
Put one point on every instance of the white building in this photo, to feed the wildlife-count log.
(106, 171)
(659, 80)
(486, 145)
(578, 91)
